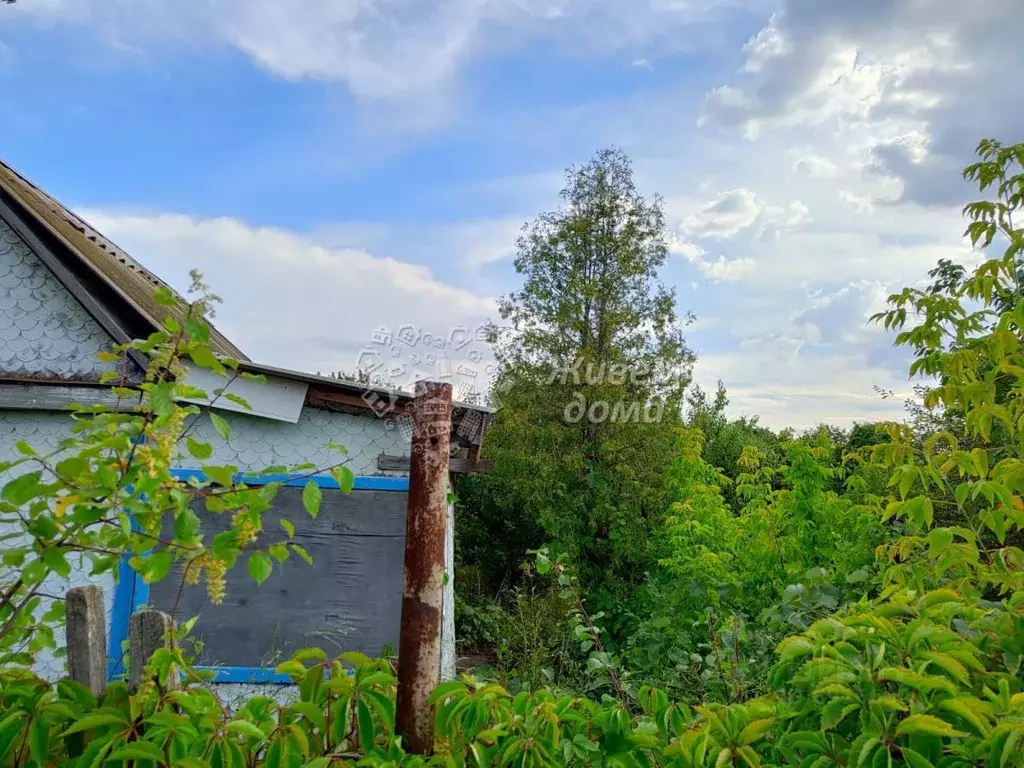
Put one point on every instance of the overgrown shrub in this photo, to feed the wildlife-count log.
(914, 658)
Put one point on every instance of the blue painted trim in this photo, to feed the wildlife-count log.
(362, 482)
(130, 595)
(124, 599)
(261, 675)
(132, 592)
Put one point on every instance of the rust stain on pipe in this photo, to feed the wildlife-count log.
(419, 645)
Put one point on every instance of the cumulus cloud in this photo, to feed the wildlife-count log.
(789, 242)
(720, 270)
(822, 364)
(815, 167)
(726, 270)
(736, 210)
(856, 203)
(941, 69)
(731, 213)
(289, 300)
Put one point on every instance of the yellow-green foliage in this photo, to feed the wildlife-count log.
(923, 668)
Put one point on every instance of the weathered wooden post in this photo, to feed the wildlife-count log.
(147, 632)
(86, 630)
(419, 645)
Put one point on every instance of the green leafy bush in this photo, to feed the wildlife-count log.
(908, 647)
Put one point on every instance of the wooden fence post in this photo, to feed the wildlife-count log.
(147, 633)
(419, 643)
(86, 631)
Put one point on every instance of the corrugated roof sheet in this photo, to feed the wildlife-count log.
(127, 277)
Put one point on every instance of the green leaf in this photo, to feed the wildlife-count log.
(755, 730)
(138, 750)
(970, 709)
(161, 399)
(90, 722)
(164, 297)
(156, 566)
(39, 740)
(278, 551)
(260, 566)
(57, 561)
(288, 528)
(345, 478)
(186, 525)
(366, 734)
(273, 755)
(311, 498)
(220, 425)
(915, 759)
(246, 728)
(916, 680)
(198, 449)
(204, 357)
(1011, 747)
(312, 713)
(926, 724)
(22, 489)
(71, 467)
(444, 690)
(356, 659)
(291, 667)
(301, 552)
(238, 400)
(861, 574)
(866, 750)
(222, 475)
(198, 329)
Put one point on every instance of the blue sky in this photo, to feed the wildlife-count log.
(333, 166)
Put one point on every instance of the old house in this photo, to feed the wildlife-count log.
(67, 293)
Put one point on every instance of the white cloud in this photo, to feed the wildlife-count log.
(934, 70)
(720, 270)
(736, 210)
(289, 300)
(766, 45)
(822, 364)
(477, 243)
(727, 270)
(730, 214)
(815, 167)
(387, 48)
(856, 203)
(863, 112)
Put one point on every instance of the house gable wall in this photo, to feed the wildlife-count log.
(44, 331)
(253, 444)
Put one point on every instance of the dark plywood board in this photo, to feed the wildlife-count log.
(350, 599)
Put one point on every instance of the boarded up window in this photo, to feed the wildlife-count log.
(350, 599)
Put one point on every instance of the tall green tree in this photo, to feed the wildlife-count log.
(592, 369)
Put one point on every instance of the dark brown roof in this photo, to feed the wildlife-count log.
(132, 282)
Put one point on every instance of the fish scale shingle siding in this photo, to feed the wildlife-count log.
(44, 331)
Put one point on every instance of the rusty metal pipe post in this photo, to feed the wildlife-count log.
(419, 645)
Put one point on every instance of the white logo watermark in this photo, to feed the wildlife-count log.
(399, 358)
(599, 411)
